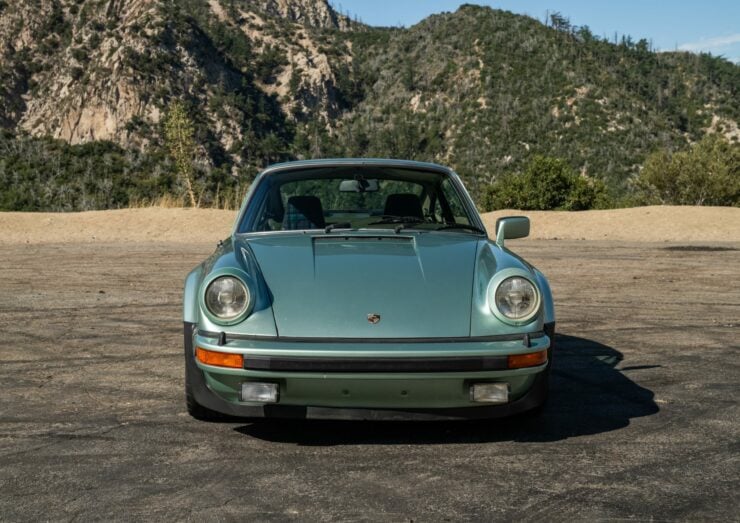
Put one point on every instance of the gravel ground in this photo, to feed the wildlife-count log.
(643, 421)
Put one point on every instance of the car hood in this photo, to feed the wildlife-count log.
(418, 285)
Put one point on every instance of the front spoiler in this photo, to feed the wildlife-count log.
(534, 398)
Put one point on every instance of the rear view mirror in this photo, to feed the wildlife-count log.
(360, 185)
(510, 228)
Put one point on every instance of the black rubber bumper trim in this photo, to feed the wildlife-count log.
(292, 339)
(448, 364)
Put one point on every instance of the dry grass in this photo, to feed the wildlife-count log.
(166, 201)
(224, 202)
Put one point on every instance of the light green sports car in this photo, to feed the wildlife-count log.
(365, 289)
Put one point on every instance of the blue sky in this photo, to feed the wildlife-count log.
(711, 25)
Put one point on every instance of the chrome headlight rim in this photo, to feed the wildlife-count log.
(496, 282)
(242, 278)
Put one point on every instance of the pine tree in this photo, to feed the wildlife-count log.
(178, 128)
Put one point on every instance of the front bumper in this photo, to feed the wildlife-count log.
(355, 381)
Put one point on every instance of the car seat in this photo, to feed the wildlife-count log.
(303, 212)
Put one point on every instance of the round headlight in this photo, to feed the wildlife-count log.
(227, 297)
(516, 298)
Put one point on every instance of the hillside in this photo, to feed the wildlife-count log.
(85, 85)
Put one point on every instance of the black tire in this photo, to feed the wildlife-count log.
(537, 411)
(195, 409)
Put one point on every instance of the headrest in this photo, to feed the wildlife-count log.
(403, 205)
(303, 212)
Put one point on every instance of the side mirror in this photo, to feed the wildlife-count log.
(510, 228)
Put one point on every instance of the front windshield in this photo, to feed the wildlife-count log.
(358, 198)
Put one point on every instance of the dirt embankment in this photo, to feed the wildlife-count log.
(126, 225)
(650, 224)
(640, 224)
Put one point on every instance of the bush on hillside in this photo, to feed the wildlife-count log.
(706, 174)
(546, 184)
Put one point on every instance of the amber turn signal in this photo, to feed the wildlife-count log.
(532, 359)
(219, 359)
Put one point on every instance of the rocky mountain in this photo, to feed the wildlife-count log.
(311, 13)
(266, 80)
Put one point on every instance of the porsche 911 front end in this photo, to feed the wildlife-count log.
(365, 289)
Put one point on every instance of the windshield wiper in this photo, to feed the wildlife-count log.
(398, 219)
(340, 225)
(403, 222)
(461, 226)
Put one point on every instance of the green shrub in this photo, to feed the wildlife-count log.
(706, 174)
(80, 55)
(547, 183)
(270, 63)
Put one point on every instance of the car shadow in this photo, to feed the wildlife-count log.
(588, 395)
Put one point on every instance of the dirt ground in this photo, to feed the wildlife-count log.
(643, 421)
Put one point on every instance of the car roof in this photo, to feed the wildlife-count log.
(344, 162)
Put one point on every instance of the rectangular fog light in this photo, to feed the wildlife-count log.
(490, 392)
(260, 392)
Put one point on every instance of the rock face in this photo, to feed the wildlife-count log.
(87, 92)
(85, 70)
(312, 13)
(305, 80)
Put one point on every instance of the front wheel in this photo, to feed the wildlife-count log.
(195, 409)
(537, 411)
